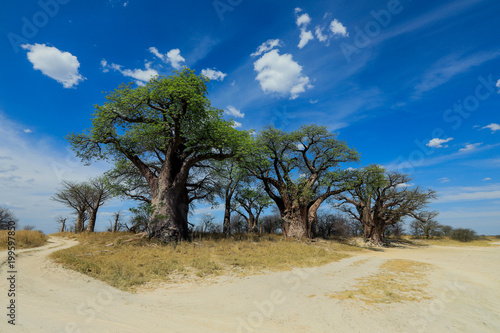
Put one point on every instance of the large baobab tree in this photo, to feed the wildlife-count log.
(70, 195)
(379, 199)
(300, 170)
(164, 129)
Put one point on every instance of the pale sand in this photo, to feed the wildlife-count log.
(465, 283)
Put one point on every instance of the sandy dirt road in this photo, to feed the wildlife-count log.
(465, 283)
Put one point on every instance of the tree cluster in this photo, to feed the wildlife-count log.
(171, 148)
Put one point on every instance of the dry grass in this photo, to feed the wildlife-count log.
(24, 239)
(398, 280)
(129, 265)
(446, 241)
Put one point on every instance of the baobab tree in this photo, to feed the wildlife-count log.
(70, 195)
(380, 199)
(299, 171)
(164, 129)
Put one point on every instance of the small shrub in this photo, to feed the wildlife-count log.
(463, 235)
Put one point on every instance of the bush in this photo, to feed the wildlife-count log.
(463, 235)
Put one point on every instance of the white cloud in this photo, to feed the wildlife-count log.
(298, 10)
(104, 66)
(231, 110)
(58, 65)
(141, 76)
(448, 67)
(338, 28)
(438, 143)
(236, 124)
(493, 127)
(280, 74)
(213, 74)
(32, 170)
(172, 57)
(404, 185)
(266, 46)
(319, 34)
(444, 180)
(486, 179)
(27, 130)
(470, 147)
(498, 85)
(303, 20)
(305, 37)
(480, 195)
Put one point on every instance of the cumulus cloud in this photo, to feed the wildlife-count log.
(266, 46)
(493, 127)
(305, 35)
(338, 29)
(236, 124)
(173, 57)
(438, 143)
(319, 34)
(470, 147)
(231, 110)
(213, 74)
(58, 65)
(141, 76)
(303, 20)
(281, 74)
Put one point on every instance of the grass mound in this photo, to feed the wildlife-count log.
(24, 239)
(398, 280)
(128, 264)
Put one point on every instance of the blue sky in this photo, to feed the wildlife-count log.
(412, 85)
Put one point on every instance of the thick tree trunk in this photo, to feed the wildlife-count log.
(92, 219)
(169, 220)
(80, 221)
(294, 223)
(226, 225)
(252, 223)
(375, 234)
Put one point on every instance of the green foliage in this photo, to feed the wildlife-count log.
(463, 235)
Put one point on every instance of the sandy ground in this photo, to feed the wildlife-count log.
(465, 283)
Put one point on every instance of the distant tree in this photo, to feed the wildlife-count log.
(207, 224)
(446, 230)
(271, 224)
(29, 227)
(300, 170)
(380, 199)
(140, 218)
(238, 224)
(62, 221)
(70, 195)
(7, 218)
(463, 235)
(164, 129)
(115, 223)
(95, 193)
(333, 225)
(424, 222)
(250, 202)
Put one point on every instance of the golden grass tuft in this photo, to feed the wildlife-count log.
(398, 280)
(24, 239)
(127, 265)
(483, 241)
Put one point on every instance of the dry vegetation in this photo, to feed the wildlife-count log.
(126, 265)
(24, 239)
(446, 241)
(398, 280)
